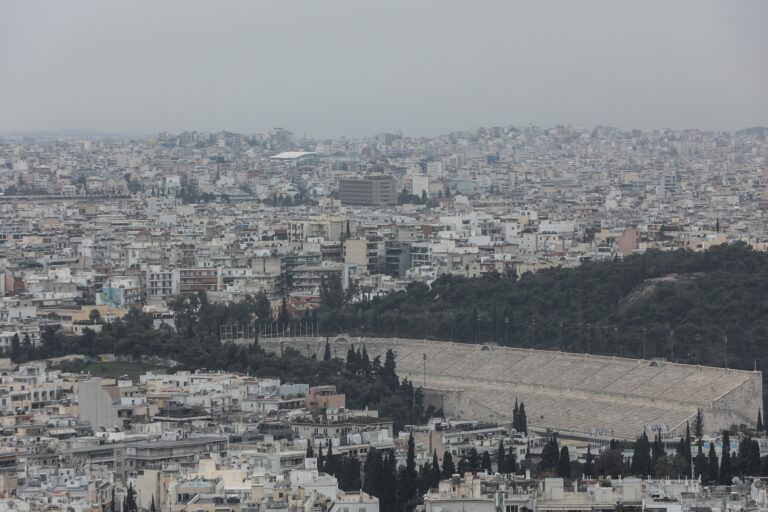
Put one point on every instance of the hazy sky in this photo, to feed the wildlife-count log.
(329, 68)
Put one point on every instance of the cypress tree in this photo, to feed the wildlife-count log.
(726, 472)
(351, 471)
(486, 463)
(501, 462)
(641, 459)
(425, 478)
(389, 371)
(15, 349)
(688, 446)
(657, 451)
(407, 489)
(564, 467)
(449, 469)
(152, 505)
(474, 460)
(351, 356)
(754, 459)
(390, 485)
(310, 450)
(522, 419)
(700, 464)
(434, 477)
(330, 462)
(463, 466)
(327, 352)
(374, 473)
(588, 463)
(365, 362)
(712, 464)
(515, 417)
(759, 425)
(698, 424)
(320, 460)
(130, 499)
(511, 462)
(550, 456)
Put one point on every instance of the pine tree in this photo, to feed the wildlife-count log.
(698, 424)
(726, 472)
(449, 469)
(564, 467)
(588, 463)
(713, 467)
(310, 450)
(485, 463)
(759, 426)
(327, 352)
(501, 462)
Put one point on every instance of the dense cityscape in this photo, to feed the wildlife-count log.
(513, 319)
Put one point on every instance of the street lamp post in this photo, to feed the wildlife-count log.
(644, 346)
(698, 349)
(506, 331)
(672, 345)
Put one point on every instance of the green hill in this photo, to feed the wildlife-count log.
(684, 305)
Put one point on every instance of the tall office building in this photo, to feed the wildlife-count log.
(374, 190)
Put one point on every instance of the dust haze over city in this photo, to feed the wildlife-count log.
(331, 69)
(383, 256)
